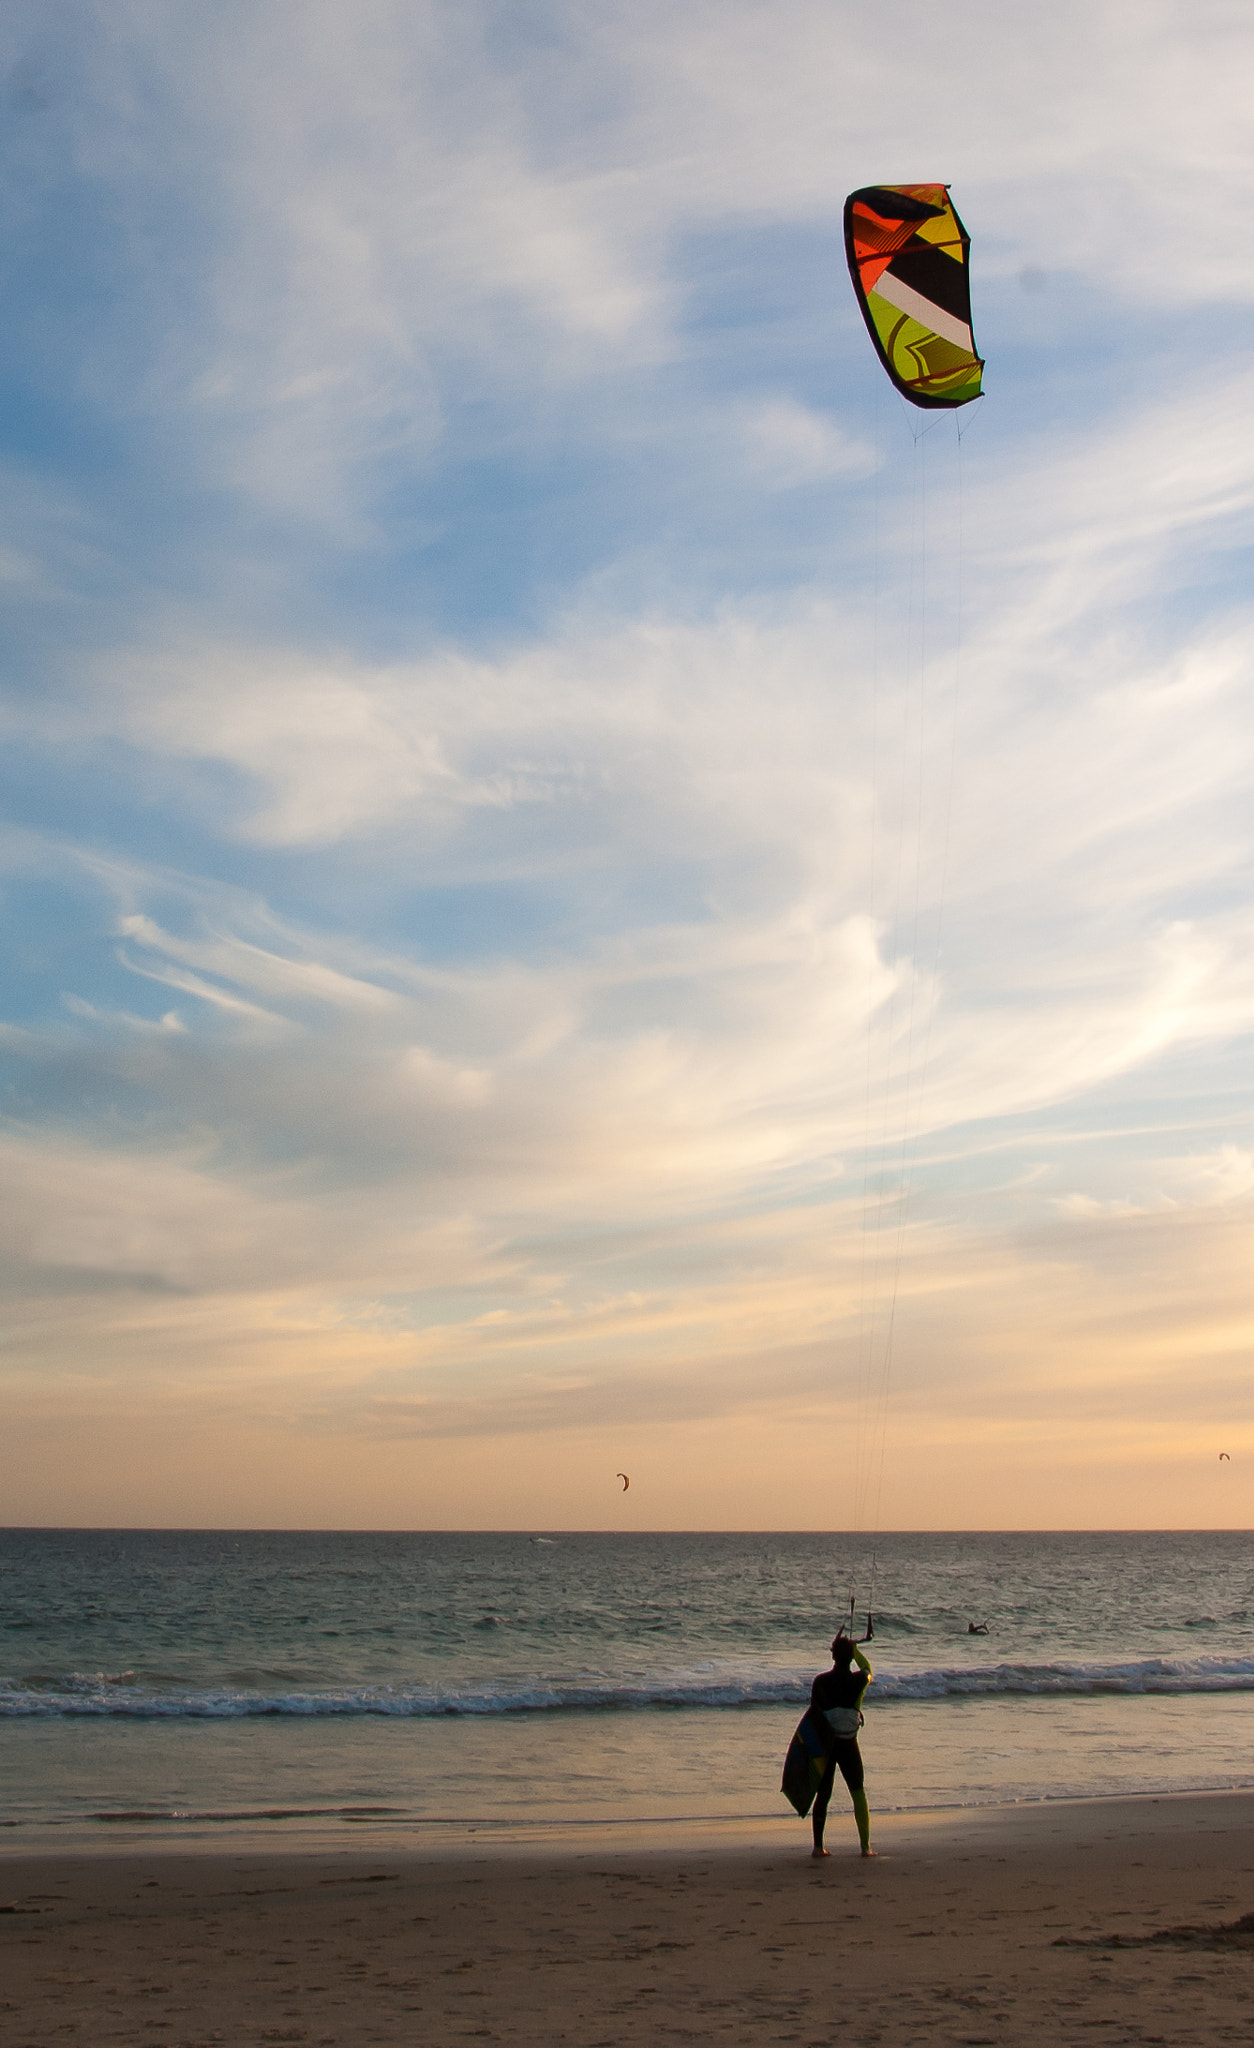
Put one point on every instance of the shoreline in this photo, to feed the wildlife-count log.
(430, 1839)
(994, 1924)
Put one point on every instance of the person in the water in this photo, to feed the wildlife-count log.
(836, 1703)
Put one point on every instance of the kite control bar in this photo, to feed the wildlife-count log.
(869, 1637)
(846, 1628)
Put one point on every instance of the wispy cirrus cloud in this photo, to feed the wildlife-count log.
(348, 215)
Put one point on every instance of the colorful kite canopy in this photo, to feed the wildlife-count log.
(907, 254)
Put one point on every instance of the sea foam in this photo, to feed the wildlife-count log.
(114, 1696)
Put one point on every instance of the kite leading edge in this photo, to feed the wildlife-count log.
(907, 253)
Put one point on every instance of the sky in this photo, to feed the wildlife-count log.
(586, 891)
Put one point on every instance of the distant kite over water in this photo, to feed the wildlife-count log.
(1224, 1459)
(908, 254)
(626, 1481)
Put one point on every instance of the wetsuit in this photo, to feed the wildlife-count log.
(839, 1692)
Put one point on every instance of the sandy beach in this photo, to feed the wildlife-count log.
(1065, 1923)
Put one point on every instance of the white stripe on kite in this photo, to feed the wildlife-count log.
(901, 297)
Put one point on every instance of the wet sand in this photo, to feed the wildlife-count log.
(728, 1935)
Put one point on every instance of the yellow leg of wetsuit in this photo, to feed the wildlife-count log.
(862, 1814)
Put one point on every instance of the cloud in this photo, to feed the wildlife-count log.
(332, 228)
(1200, 1180)
(789, 444)
(702, 935)
(549, 891)
(335, 748)
(239, 961)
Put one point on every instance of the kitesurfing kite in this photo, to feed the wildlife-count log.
(1224, 1459)
(907, 253)
(626, 1481)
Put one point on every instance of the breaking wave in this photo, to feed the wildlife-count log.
(127, 1695)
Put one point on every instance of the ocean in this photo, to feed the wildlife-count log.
(184, 1684)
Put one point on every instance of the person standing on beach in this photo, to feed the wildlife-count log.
(836, 1703)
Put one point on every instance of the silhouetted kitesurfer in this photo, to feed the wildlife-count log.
(977, 1628)
(836, 1704)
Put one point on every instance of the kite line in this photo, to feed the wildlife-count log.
(908, 261)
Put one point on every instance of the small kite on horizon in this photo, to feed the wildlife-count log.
(626, 1481)
(1224, 1459)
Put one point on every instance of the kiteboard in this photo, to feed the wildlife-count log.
(804, 1765)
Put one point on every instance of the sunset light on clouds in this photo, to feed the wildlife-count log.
(486, 663)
